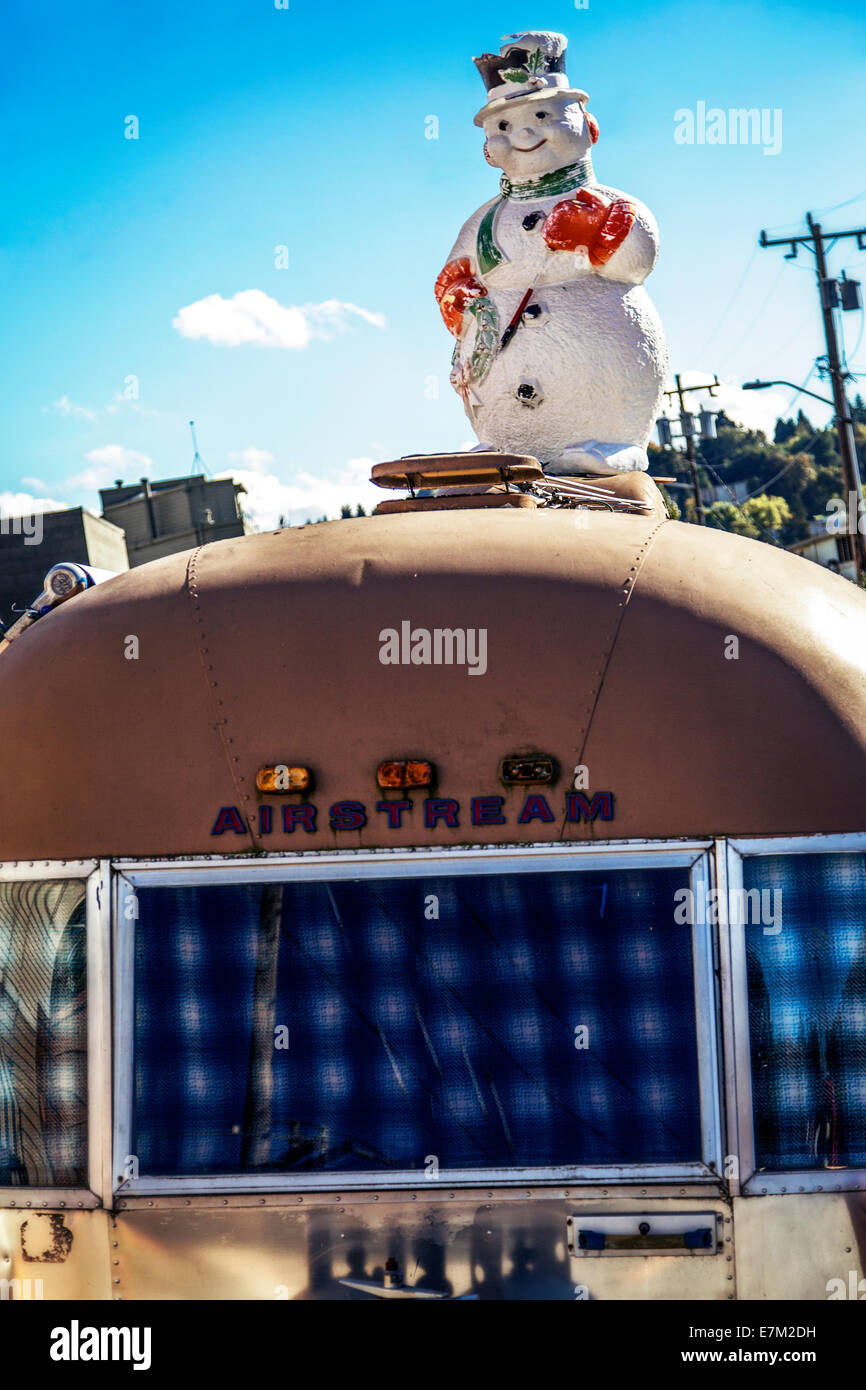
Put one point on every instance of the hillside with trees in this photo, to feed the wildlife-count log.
(789, 480)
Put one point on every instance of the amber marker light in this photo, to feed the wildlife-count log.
(404, 774)
(281, 778)
(527, 769)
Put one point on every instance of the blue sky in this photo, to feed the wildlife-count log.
(306, 128)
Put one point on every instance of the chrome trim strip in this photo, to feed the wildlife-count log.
(649, 1198)
(99, 1032)
(21, 870)
(410, 863)
(707, 1021)
(47, 1199)
(125, 916)
(829, 1180)
(736, 932)
(412, 1178)
(728, 1052)
(853, 842)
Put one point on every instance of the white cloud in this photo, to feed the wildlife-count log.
(329, 317)
(35, 483)
(255, 460)
(23, 504)
(305, 497)
(756, 410)
(109, 462)
(68, 407)
(251, 316)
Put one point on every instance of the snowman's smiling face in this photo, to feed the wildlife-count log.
(528, 138)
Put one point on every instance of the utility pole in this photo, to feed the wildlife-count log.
(829, 290)
(687, 425)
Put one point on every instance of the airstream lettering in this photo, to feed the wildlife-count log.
(303, 816)
(347, 815)
(485, 810)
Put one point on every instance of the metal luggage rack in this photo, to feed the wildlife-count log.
(580, 492)
(437, 482)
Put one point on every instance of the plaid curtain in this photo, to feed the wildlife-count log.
(807, 1011)
(393, 1024)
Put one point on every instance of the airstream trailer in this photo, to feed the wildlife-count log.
(467, 901)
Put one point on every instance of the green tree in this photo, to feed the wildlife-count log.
(724, 516)
(767, 513)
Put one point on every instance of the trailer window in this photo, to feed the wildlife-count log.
(807, 1009)
(43, 1034)
(392, 1025)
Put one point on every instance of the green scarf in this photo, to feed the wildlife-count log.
(564, 180)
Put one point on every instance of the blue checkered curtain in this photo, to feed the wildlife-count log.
(43, 1034)
(807, 1010)
(428, 1020)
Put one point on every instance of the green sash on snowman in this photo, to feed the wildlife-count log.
(488, 255)
(564, 180)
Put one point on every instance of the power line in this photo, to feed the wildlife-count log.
(799, 391)
(786, 342)
(729, 305)
(781, 230)
(758, 491)
(748, 331)
(858, 197)
(776, 476)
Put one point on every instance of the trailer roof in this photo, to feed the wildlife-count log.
(609, 643)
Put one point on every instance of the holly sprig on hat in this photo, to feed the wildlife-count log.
(534, 63)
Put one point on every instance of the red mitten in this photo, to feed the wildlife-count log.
(617, 225)
(455, 287)
(576, 222)
(589, 222)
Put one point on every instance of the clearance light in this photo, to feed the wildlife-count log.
(282, 777)
(517, 769)
(404, 774)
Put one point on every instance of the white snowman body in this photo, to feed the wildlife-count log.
(594, 352)
(577, 383)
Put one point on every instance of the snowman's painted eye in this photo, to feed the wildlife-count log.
(503, 125)
(541, 115)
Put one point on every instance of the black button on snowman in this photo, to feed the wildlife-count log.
(559, 352)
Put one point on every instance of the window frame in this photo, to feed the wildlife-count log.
(751, 1181)
(96, 873)
(325, 865)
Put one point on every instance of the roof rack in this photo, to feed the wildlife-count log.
(488, 478)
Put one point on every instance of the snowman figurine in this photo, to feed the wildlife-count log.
(560, 353)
